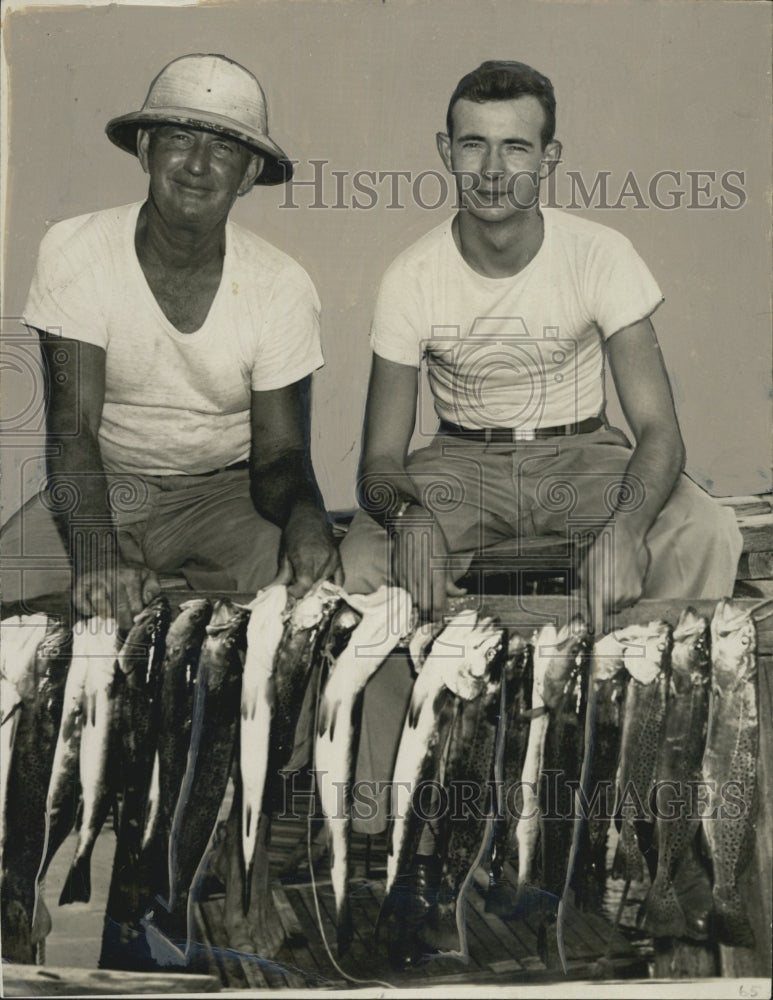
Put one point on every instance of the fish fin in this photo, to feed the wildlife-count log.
(730, 920)
(163, 950)
(414, 709)
(663, 915)
(328, 714)
(77, 887)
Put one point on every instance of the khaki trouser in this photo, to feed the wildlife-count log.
(204, 528)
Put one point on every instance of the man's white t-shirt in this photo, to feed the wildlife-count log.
(175, 403)
(522, 351)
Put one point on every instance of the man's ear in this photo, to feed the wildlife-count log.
(143, 148)
(551, 157)
(253, 170)
(443, 141)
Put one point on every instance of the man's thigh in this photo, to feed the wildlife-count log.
(207, 528)
(34, 560)
(459, 484)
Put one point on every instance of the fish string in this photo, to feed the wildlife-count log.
(336, 966)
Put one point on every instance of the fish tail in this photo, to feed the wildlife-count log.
(77, 886)
(663, 915)
(345, 928)
(730, 919)
(628, 863)
(247, 886)
(385, 914)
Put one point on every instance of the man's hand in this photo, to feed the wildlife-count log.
(309, 553)
(420, 562)
(613, 571)
(121, 595)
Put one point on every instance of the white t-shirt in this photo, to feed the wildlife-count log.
(522, 351)
(175, 402)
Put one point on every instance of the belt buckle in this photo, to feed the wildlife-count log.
(521, 435)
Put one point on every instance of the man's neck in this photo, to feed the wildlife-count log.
(499, 249)
(177, 248)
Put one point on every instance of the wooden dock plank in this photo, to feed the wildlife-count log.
(52, 981)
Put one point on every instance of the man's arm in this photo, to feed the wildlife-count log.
(75, 392)
(387, 493)
(284, 488)
(656, 463)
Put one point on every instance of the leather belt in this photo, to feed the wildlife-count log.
(510, 435)
(244, 464)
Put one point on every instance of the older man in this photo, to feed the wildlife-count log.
(179, 349)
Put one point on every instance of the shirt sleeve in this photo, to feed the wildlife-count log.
(620, 286)
(289, 347)
(395, 330)
(64, 295)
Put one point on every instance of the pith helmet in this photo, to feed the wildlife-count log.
(209, 92)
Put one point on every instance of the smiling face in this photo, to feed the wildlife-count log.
(195, 176)
(497, 156)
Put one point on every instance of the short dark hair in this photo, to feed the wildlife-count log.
(504, 80)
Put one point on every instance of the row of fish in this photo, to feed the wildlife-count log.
(652, 727)
(525, 734)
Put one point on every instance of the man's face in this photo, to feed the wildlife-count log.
(195, 176)
(497, 156)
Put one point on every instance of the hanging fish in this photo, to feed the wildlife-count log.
(456, 667)
(64, 788)
(647, 661)
(264, 633)
(555, 655)
(139, 660)
(562, 766)
(20, 636)
(213, 733)
(386, 616)
(178, 678)
(305, 630)
(94, 640)
(730, 766)
(25, 918)
(669, 911)
(586, 871)
(518, 682)
(466, 827)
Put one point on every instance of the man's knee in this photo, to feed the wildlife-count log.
(695, 546)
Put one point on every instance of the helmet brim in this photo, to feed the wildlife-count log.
(277, 168)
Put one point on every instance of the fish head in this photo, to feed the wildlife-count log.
(556, 655)
(517, 650)
(55, 649)
(315, 605)
(147, 627)
(646, 650)
(733, 644)
(690, 652)
(607, 657)
(193, 612)
(465, 652)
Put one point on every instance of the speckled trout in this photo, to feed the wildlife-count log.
(386, 619)
(456, 667)
(730, 766)
(669, 910)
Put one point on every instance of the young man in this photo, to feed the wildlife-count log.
(179, 350)
(516, 309)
